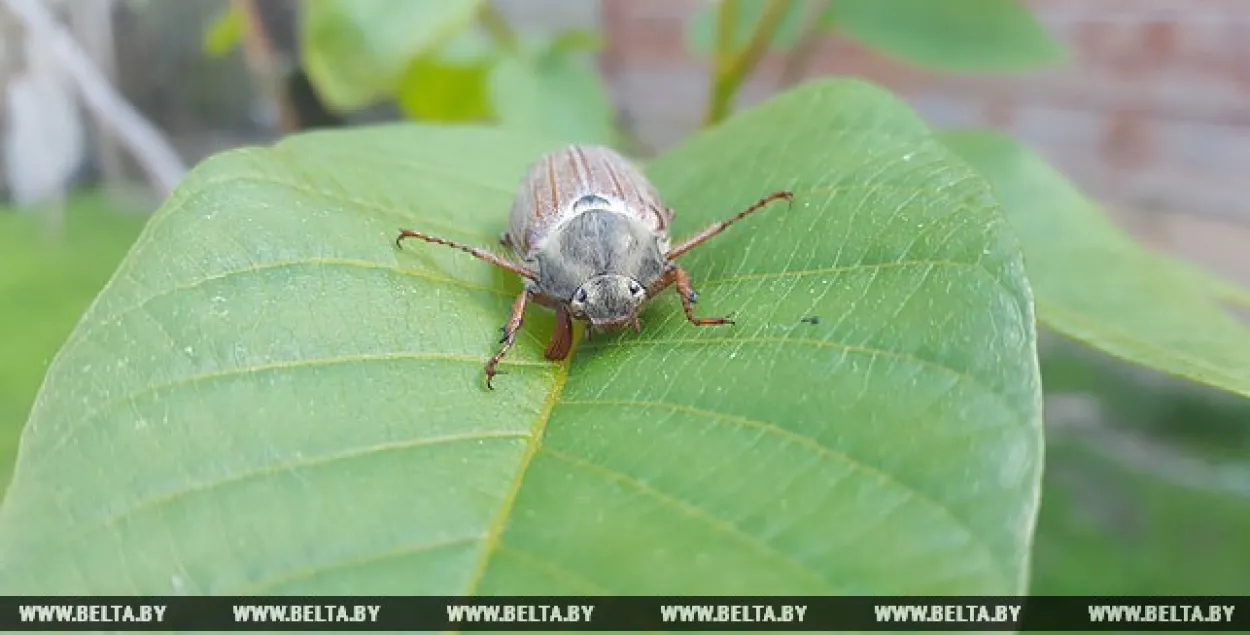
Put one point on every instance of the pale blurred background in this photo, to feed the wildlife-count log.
(1151, 117)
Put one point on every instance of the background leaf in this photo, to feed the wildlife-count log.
(952, 35)
(293, 406)
(553, 91)
(355, 51)
(452, 85)
(701, 26)
(576, 41)
(1147, 481)
(225, 32)
(1098, 285)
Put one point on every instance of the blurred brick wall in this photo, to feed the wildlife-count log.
(1152, 117)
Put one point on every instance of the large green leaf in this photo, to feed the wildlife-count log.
(954, 35)
(268, 397)
(356, 51)
(1095, 283)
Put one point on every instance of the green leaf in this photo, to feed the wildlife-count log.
(269, 397)
(701, 27)
(224, 33)
(576, 41)
(437, 91)
(453, 85)
(553, 92)
(356, 51)
(1186, 538)
(952, 35)
(1098, 285)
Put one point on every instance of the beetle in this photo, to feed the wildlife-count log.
(591, 234)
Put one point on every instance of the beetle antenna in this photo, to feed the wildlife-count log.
(717, 228)
(480, 254)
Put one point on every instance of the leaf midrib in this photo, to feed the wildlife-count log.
(494, 531)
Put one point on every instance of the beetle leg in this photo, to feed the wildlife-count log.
(480, 254)
(561, 336)
(682, 280)
(509, 336)
(716, 228)
(663, 282)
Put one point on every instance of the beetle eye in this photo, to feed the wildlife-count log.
(634, 287)
(580, 296)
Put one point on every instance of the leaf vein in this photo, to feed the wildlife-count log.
(272, 367)
(494, 533)
(103, 321)
(264, 471)
(555, 570)
(850, 348)
(267, 585)
(882, 477)
(690, 510)
(771, 275)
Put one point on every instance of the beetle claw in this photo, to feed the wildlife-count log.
(490, 376)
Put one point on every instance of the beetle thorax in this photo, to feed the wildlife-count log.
(599, 261)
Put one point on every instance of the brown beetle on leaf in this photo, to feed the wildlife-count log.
(592, 235)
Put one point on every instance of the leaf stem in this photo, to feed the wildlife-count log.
(498, 27)
(796, 61)
(730, 70)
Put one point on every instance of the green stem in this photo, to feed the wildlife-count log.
(796, 62)
(498, 28)
(730, 70)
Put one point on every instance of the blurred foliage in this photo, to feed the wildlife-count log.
(1112, 524)
(951, 35)
(1188, 417)
(1107, 529)
(550, 89)
(45, 284)
(701, 28)
(453, 85)
(357, 52)
(447, 61)
(1141, 306)
(224, 33)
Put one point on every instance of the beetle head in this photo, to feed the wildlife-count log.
(609, 301)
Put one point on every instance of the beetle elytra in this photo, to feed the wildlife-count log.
(591, 234)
